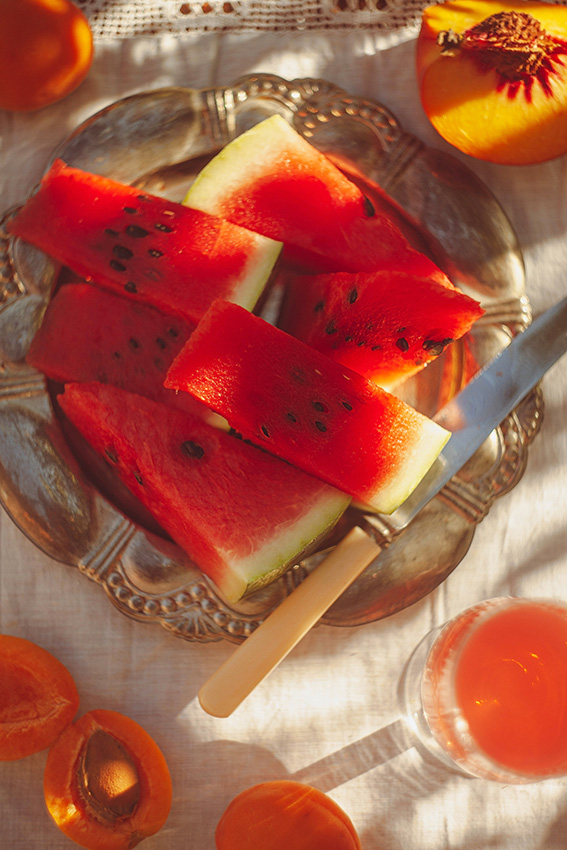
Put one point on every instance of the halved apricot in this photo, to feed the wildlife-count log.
(493, 78)
(47, 50)
(38, 698)
(281, 815)
(106, 782)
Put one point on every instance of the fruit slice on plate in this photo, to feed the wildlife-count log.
(90, 334)
(241, 514)
(385, 325)
(493, 78)
(300, 405)
(271, 180)
(143, 246)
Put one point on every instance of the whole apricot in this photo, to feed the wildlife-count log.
(281, 815)
(47, 50)
(493, 78)
(106, 782)
(38, 698)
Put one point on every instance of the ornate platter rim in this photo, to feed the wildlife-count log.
(61, 512)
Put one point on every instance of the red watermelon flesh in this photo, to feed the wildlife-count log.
(143, 246)
(89, 334)
(386, 325)
(271, 180)
(242, 515)
(305, 408)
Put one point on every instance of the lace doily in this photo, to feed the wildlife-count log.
(109, 19)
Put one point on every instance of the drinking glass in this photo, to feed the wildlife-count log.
(487, 692)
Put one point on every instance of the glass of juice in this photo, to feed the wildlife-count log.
(487, 692)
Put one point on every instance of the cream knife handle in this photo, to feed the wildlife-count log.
(269, 644)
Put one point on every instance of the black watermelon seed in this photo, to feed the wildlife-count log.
(352, 296)
(118, 267)
(161, 343)
(434, 347)
(376, 348)
(361, 343)
(110, 232)
(319, 306)
(138, 477)
(402, 344)
(291, 417)
(131, 210)
(117, 355)
(331, 328)
(173, 332)
(143, 198)
(165, 228)
(111, 455)
(134, 344)
(122, 252)
(319, 406)
(321, 426)
(130, 287)
(348, 338)
(368, 207)
(265, 431)
(192, 449)
(346, 405)
(154, 252)
(136, 231)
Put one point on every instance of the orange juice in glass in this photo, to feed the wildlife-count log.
(488, 692)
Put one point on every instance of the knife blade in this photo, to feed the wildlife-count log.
(471, 416)
(488, 398)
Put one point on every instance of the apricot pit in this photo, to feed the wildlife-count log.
(106, 782)
(493, 78)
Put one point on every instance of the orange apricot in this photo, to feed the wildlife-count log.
(106, 782)
(47, 50)
(493, 78)
(283, 814)
(38, 698)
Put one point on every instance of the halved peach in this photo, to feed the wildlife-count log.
(493, 78)
(106, 782)
(38, 698)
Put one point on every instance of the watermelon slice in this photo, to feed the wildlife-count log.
(242, 515)
(297, 403)
(386, 325)
(142, 246)
(89, 334)
(271, 180)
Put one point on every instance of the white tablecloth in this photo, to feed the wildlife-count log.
(329, 714)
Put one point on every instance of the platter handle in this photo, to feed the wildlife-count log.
(273, 639)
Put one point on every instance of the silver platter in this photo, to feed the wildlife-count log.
(159, 140)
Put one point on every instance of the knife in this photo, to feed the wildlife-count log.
(470, 416)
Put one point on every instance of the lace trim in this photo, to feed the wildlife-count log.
(109, 19)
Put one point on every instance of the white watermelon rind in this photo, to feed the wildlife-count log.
(287, 545)
(425, 443)
(258, 271)
(219, 178)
